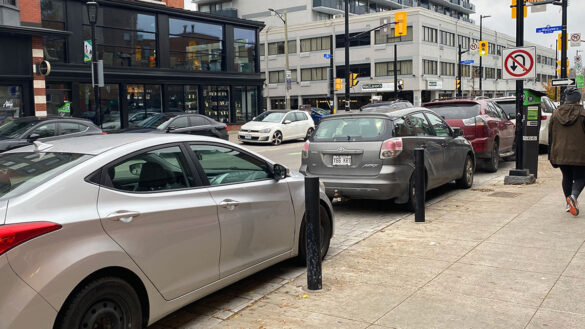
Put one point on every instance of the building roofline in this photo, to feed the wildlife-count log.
(32, 30)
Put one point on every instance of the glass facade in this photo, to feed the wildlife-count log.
(109, 102)
(10, 102)
(245, 103)
(58, 99)
(244, 50)
(53, 16)
(216, 102)
(143, 102)
(195, 46)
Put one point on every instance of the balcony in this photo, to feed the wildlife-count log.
(9, 13)
(337, 7)
(458, 5)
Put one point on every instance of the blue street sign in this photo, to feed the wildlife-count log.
(327, 56)
(549, 29)
(467, 62)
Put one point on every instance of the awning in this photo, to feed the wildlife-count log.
(32, 31)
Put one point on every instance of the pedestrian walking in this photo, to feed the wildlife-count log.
(567, 147)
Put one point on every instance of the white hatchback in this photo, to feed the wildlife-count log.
(277, 126)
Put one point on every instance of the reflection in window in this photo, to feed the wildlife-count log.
(109, 102)
(10, 102)
(244, 50)
(195, 46)
(53, 17)
(245, 103)
(183, 98)
(216, 101)
(59, 99)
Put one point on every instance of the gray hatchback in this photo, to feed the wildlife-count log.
(370, 155)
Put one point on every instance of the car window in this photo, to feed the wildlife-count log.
(509, 107)
(441, 127)
(72, 128)
(181, 122)
(501, 113)
(401, 129)
(420, 124)
(450, 111)
(351, 129)
(199, 121)
(290, 116)
(491, 111)
(300, 116)
(548, 106)
(46, 130)
(224, 165)
(159, 170)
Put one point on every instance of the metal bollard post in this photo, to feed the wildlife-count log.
(313, 233)
(419, 184)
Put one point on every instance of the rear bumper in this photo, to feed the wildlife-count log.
(392, 182)
(20, 305)
(482, 147)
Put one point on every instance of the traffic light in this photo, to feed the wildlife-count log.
(353, 79)
(400, 84)
(560, 42)
(483, 48)
(559, 67)
(400, 20)
(338, 84)
(457, 84)
(514, 10)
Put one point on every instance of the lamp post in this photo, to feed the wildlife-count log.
(287, 77)
(92, 15)
(481, 17)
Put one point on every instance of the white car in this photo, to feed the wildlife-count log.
(277, 126)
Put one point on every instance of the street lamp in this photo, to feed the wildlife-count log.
(287, 72)
(481, 17)
(92, 16)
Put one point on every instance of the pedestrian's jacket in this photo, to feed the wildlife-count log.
(567, 135)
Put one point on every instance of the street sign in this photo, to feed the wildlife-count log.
(580, 81)
(467, 62)
(327, 56)
(473, 46)
(562, 82)
(577, 59)
(518, 63)
(576, 40)
(549, 29)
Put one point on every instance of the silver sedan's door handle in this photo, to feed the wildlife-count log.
(229, 204)
(123, 216)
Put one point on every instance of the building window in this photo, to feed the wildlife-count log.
(387, 68)
(448, 39)
(362, 40)
(382, 38)
(499, 76)
(109, 104)
(314, 74)
(245, 102)
(183, 98)
(500, 49)
(476, 71)
(362, 70)
(429, 67)
(216, 101)
(10, 102)
(447, 69)
(58, 98)
(277, 48)
(490, 73)
(215, 7)
(262, 50)
(491, 48)
(279, 76)
(464, 42)
(53, 17)
(315, 44)
(124, 37)
(465, 71)
(245, 50)
(429, 34)
(196, 46)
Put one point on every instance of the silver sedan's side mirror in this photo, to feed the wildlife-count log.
(280, 172)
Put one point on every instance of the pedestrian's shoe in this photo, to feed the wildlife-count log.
(568, 208)
(573, 205)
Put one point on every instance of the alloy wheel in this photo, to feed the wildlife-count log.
(277, 138)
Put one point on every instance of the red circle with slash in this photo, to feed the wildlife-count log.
(527, 68)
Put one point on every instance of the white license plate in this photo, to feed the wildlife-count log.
(248, 136)
(342, 160)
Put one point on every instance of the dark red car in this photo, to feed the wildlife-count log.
(484, 124)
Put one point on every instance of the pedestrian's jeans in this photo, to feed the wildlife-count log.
(573, 180)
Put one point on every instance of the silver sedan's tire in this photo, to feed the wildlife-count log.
(325, 231)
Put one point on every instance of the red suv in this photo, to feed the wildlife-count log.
(484, 124)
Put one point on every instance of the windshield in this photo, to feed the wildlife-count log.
(321, 111)
(350, 129)
(456, 110)
(270, 117)
(22, 172)
(15, 128)
(154, 121)
(508, 107)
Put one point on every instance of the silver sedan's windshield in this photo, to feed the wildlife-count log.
(270, 117)
(13, 129)
(22, 172)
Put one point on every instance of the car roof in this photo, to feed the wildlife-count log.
(504, 99)
(97, 144)
(390, 115)
(50, 118)
(456, 101)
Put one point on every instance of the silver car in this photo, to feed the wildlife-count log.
(118, 231)
(370, 155)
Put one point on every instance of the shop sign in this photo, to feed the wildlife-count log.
(434, 84)
(375, 87)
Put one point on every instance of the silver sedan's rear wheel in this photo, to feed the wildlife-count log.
(277, 138)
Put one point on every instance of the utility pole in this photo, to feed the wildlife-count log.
(481, 17)
(288, 82)
(395, 72)
(519, 86)
(459, 67)
(564, 45)
(331, 76)
(347, 86)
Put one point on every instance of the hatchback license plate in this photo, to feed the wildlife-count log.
(248, 136)
(342, 160)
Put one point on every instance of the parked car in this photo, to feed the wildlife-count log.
(195, 124)
(117, 231)
(23, 131)
(370, 155)
(277, 126)
(388, 105)
(508, 104)
(318, 113)
(484, 124)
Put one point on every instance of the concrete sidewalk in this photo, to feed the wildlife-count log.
(491, 257)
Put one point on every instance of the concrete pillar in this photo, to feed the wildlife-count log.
(40, 92)
(417, 95)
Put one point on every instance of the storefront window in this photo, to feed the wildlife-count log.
(10, 102)
(195, 46)
(244, 50)
(245, 102)
(59, 99)
(216, 100)
(144, 101)
(183, 98)
(109, 102)
(53, 17)
(124, 37)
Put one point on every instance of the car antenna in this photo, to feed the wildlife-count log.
(40, 146)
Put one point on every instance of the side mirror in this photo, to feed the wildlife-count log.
(171, 128)
(135, 169)
(287, 122)
(280, 172)
(457, 132)
(33, 137)
(254, 118)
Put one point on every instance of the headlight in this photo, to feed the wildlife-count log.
(264, 131)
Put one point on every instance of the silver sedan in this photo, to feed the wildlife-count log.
(117, 231)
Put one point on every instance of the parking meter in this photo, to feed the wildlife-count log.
(532, 114)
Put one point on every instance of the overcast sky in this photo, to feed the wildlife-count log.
(502, 21)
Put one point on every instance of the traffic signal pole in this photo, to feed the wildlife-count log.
(347, 86)
(395, 72)
(331, 76)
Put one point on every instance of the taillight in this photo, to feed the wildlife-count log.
(225, 127)
(14, 234)
(475, 121)
(104, 133)
(306, 149)
(543, 117)
(391, 148)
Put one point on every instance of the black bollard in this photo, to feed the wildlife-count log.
(419, 184)
(313, 233)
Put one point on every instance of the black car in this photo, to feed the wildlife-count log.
(23, 131)
(179, 123)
